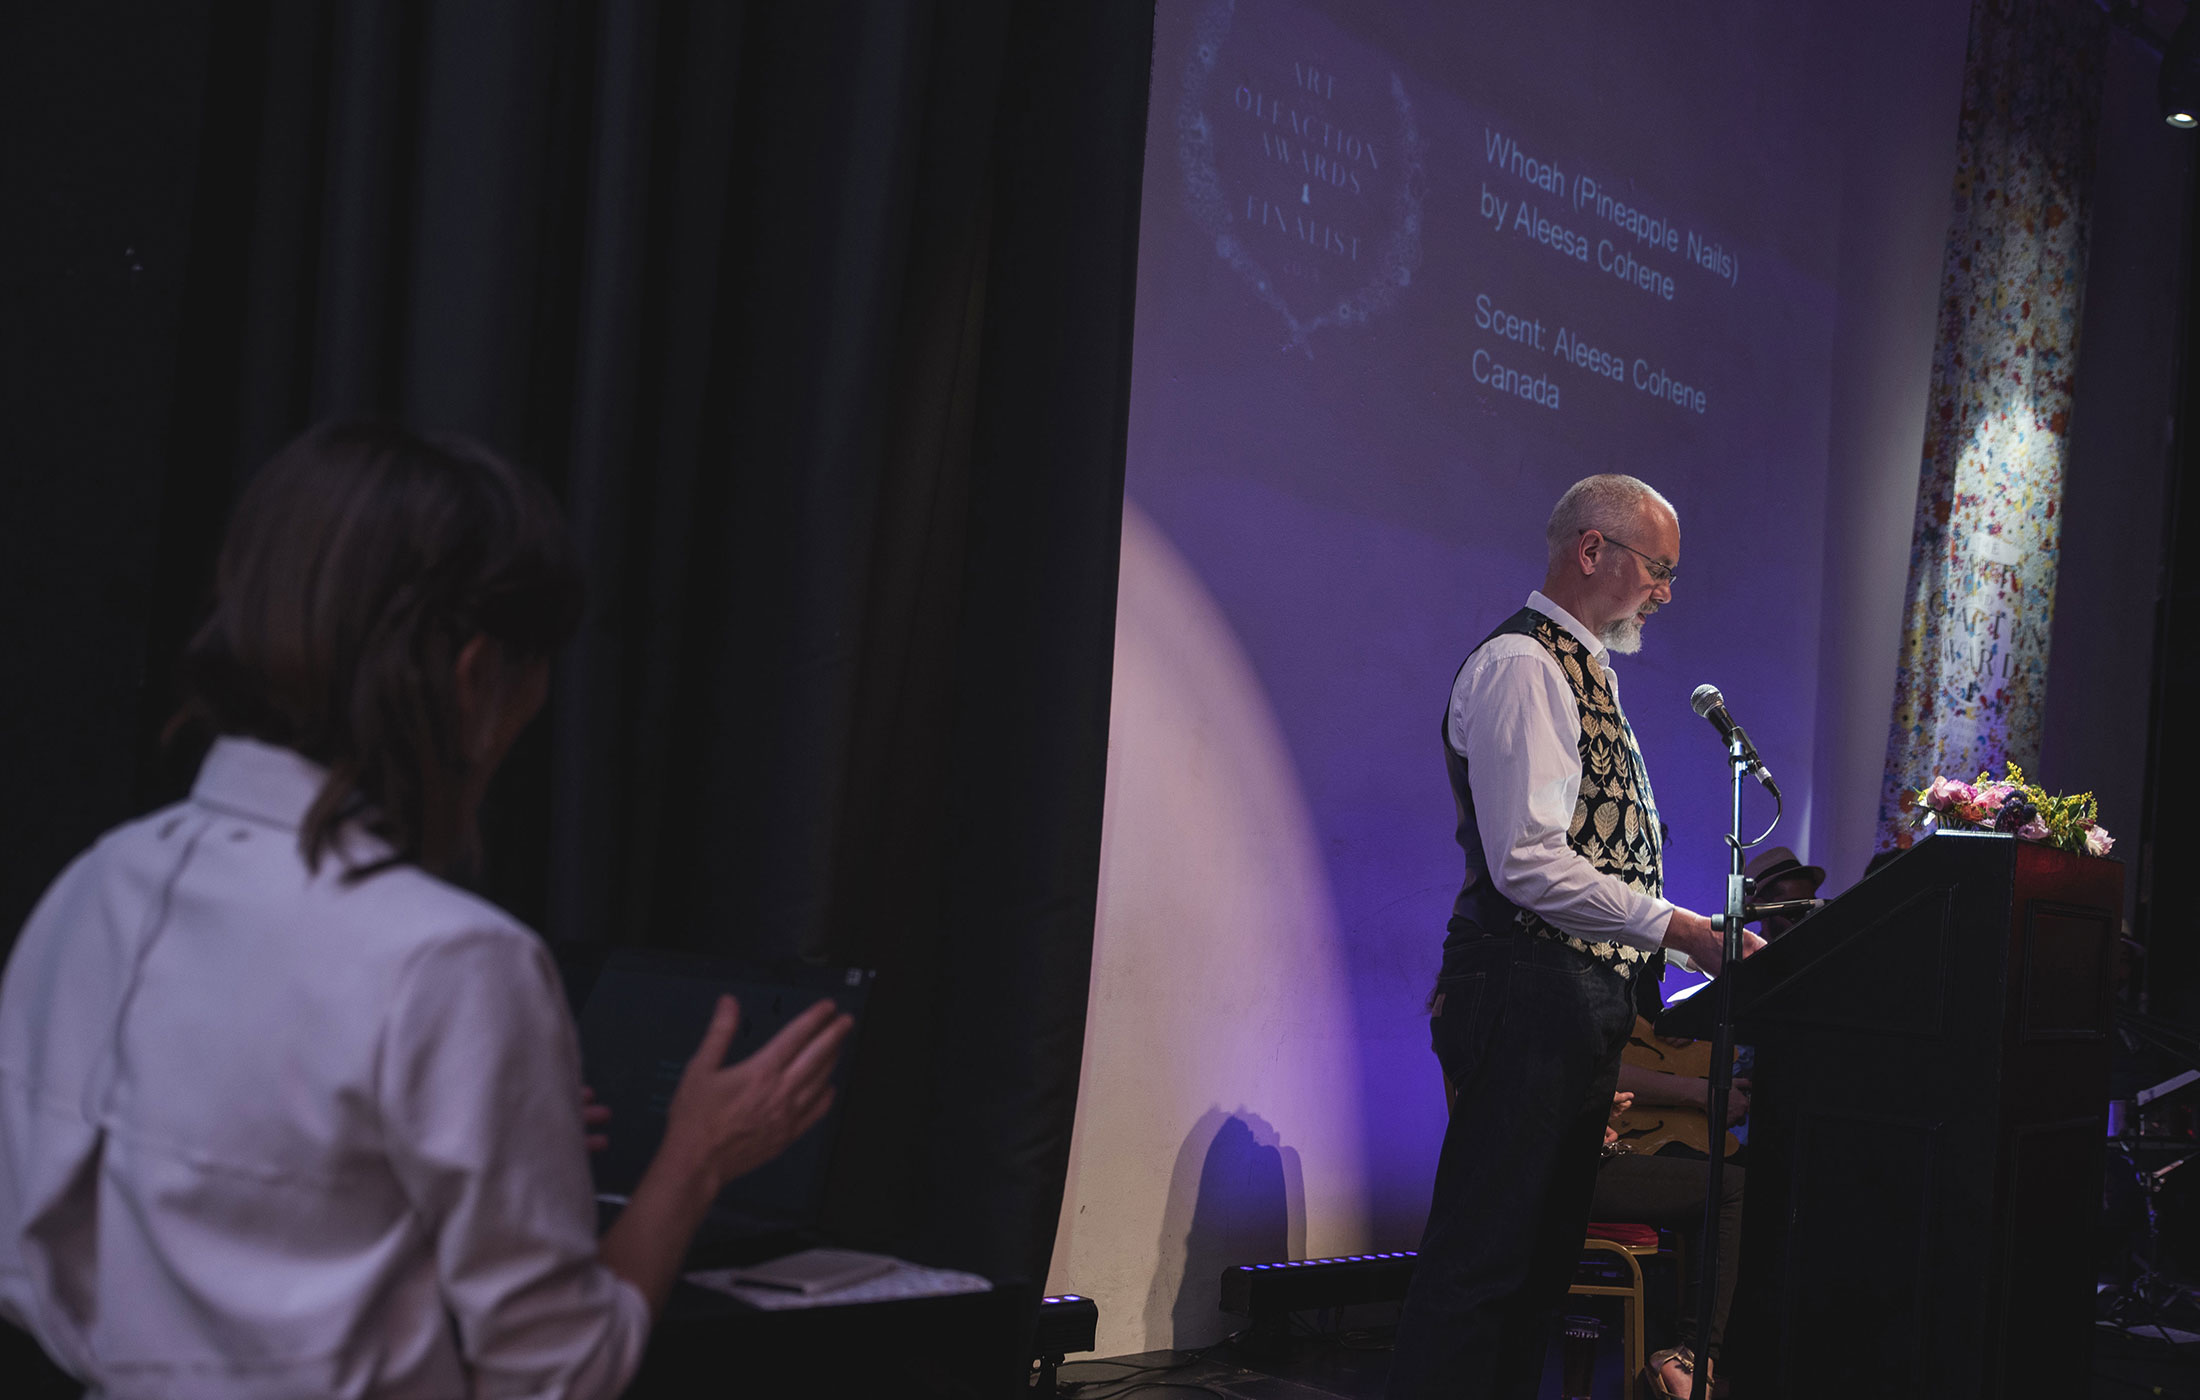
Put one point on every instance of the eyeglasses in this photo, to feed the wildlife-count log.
(1659, 571)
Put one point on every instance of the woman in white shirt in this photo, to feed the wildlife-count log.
(284, 1113)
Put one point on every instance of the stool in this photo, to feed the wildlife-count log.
(1630, 1295)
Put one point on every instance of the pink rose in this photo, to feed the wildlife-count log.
(1991, 797)
(1945, 793)
(2098, 842)
(2033, 830)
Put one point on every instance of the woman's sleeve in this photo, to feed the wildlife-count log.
(480, 1094)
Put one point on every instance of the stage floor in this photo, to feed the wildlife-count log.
(2124, 1365)
(1308, 1372)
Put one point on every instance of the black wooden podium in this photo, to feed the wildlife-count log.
(1926, 1132)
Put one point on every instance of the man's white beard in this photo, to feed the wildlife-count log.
(1624, 637)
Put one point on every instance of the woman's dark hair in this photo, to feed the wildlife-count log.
(358, 564)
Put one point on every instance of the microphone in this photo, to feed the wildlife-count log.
(1712, 706)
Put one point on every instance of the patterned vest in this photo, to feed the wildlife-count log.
(1615, 823)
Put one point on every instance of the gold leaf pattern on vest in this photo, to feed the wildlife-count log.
(1615, 804)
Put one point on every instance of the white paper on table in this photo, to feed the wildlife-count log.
(904, 1280)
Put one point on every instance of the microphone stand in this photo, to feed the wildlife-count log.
(1729, 925)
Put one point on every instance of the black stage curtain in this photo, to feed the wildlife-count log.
(818, 315)
(2164, 920)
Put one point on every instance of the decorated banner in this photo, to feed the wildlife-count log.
(1971, 686)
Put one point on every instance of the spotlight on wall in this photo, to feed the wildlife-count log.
(2180, 89)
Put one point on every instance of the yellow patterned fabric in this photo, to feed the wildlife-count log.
(1615, 822)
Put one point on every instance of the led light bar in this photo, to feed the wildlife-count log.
(1292, 1285)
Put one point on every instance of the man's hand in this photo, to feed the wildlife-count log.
(727, 1120)
(1621, 1102)
(1692, 936)
(1737, 1101)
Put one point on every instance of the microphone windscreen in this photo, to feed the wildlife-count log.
(1706, 699)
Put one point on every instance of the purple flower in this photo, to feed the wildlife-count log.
(2033, 830)
(2014, 814)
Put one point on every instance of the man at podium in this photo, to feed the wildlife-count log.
(1560, 918)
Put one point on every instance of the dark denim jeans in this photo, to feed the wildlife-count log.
(1529, 1032)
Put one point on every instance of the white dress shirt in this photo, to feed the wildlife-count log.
(1514, 719)
(264, 1133)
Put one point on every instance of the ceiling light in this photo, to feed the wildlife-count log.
(2180, 89)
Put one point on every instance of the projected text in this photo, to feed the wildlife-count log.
(1599, 228)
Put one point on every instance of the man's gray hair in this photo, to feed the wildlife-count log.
(1601, 503)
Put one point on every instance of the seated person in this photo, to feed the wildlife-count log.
(1779, 877)
(1666, 1188)
(286, 1112)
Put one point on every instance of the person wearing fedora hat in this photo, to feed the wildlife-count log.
(1778, 876)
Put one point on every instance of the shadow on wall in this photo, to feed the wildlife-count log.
(1237, 1196)
(1218, 980)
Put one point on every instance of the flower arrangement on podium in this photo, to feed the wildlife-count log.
(2024, 809)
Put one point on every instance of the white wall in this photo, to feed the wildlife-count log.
(1215, 1119)
(1906, 77)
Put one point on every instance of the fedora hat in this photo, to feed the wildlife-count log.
(1778, 863)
